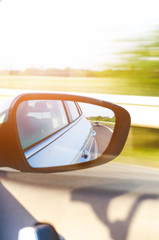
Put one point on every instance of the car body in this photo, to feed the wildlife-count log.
(96, 124)
(54, 130)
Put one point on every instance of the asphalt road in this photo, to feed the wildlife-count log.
(103, 136)
(113, 202)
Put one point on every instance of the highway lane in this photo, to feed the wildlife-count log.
(103, 136)
(121, 177)
(119, 201)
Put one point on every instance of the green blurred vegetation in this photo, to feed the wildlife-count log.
(144, 58)
(138, 74)
(103, 85)
(103, 119)
(142, 147)
(141, 65)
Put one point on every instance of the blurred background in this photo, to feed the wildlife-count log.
(105, 47)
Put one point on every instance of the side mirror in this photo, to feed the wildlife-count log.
(59, 132)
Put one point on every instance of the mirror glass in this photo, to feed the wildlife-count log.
(56, 133)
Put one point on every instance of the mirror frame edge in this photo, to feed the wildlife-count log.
(115, 146)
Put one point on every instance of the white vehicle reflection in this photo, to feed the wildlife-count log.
(54, 133)
(58, 133)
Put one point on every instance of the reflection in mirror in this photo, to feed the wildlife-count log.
(56, 133)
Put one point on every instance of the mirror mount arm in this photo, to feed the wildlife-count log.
(10, 155)
(5, 146)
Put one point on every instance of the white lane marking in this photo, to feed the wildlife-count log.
(90, 146)
(108, 128)
(95, 149)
